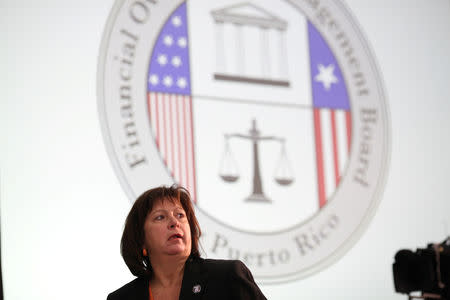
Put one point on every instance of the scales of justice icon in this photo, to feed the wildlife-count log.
(229, 171)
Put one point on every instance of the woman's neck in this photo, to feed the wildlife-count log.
(168, 271)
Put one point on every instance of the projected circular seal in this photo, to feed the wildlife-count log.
(271, 113)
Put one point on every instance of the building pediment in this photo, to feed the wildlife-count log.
(248, 14)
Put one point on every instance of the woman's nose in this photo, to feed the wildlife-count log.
(173, 222)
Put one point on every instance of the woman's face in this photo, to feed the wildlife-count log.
(167, 230)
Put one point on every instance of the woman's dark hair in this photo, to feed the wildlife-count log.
(133, 235)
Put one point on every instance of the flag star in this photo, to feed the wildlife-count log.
(162, 59)
(176, 21)
(182, 42)
(154, 79)
(176, 61)
(181, 82)
(168, 40)
(167, 81)
(326, 76)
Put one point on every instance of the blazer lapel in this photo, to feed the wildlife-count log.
(194, 280)
(142, 288)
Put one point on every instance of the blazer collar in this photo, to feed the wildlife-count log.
(140, 288)
(194, 280)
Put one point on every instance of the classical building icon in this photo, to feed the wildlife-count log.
(250, 45)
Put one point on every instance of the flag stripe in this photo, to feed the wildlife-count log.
(335, 147)
(341, 132)
(180, 148)
(169, 133)
(164, 133)
(193, 187)
(172, 140)
(151, 115)
(349, 130)
(157, 119)
(327, 151)
(319, 157)
(188, 146)
(186, 155)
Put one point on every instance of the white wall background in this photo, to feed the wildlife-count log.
(62, 208)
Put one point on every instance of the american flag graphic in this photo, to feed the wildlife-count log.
(332, 117)
(170, 101)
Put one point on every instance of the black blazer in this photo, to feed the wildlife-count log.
(205, 279)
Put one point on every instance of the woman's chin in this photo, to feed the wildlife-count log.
(176, 250)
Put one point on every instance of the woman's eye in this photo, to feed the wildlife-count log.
(160, 217)
(180, 215)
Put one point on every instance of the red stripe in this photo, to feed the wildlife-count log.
(186, 161)
(172, 139)
(153, 115)
(319, 157)
(149, 109)
(188, 147)
(157, 120)
(335, 147)
(194, 192)
(180, 149)
(348, 119)
(164, 131)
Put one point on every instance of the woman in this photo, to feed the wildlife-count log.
(160, 246)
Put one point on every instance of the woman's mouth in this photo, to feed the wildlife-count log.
(175, 236)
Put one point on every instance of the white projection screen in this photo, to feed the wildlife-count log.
(313, 136)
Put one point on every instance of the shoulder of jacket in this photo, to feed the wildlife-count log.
(223, 264)
(129, 287)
